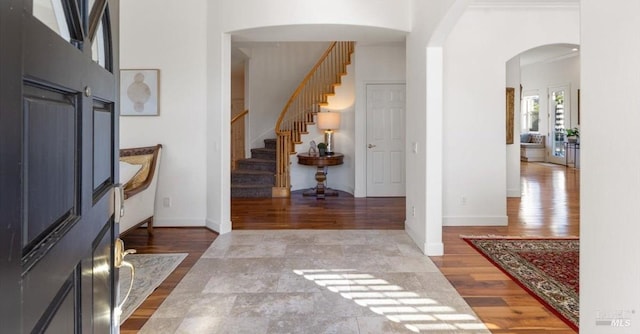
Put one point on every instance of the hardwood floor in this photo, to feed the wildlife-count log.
(165, 240)
(549, 207)
(298, 212)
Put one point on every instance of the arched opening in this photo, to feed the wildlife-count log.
(547, 84)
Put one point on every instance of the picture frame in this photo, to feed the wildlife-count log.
(139, 92)
(510, 114)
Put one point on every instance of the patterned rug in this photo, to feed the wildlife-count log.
(150, 271)
(547, 268)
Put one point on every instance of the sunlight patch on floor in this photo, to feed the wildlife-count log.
(417, 313)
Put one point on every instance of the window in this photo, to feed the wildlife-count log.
(98, 49)
(530, 113)
(51, 13)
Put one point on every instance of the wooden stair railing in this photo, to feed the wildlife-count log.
(237, 138)
(304, 103)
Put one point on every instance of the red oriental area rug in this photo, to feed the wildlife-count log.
(547, 268)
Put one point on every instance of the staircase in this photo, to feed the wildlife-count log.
(254, 177)
(304, 103)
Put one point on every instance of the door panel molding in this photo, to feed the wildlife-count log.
(51, 179)
(385, 135)
(61, 316)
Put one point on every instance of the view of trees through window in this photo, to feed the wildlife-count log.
(559, 123)
(531, 113)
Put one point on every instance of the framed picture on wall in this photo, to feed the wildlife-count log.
(139, 92)
(510, 110)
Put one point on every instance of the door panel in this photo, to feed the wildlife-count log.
(385, 140)
(102, 280)
(102, 147)
(50, 141)
(64, 317)
(59, 152)
(11, 150)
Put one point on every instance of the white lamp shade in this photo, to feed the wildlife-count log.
(328, 120)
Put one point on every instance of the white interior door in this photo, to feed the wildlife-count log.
(559, 112)
(385, 140)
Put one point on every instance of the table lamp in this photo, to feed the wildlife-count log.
(328, 121)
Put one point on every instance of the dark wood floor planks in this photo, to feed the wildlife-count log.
(299, 212)
(550, 207)
(165, 240)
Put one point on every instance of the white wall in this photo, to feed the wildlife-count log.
(513, 150)
(338, 177)
(375, 63)
(156, 42)
(610, 174)
(424, 123)
(275, 71)
(474, 120)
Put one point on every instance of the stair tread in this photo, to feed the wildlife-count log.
(252, 185)
(258, 160)
(264, 149)
(252, 171)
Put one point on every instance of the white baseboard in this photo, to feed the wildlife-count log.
(475, 221)
(434, 249)
(221, 228)
(417, 239)
(514, 193)
(178, 222)
(429, 249)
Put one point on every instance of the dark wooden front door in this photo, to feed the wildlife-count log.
(58, 155)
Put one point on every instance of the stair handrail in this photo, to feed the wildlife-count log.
(300, 108)
(239, 116)
(302, 85)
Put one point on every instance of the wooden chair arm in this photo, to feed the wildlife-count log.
(155, 150)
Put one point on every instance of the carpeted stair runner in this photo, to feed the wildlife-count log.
(254, 177)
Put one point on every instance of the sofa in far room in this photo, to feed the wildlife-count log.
(532, 147)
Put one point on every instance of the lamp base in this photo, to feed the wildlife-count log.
(328, 139)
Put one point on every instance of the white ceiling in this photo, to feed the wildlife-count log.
(548, 53)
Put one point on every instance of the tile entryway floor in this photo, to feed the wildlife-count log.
(314, 281)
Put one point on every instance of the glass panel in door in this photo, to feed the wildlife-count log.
(51, 13)
(98, 47)
(558, 118)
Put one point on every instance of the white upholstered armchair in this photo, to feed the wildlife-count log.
(140, 190)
